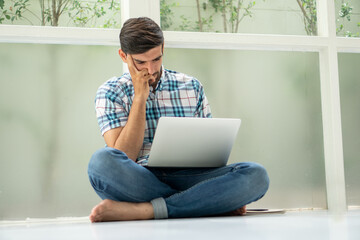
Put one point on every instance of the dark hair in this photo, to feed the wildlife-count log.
(139, 35)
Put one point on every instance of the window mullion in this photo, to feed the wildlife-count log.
(331, 113)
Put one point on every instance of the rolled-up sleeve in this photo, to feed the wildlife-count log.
(111, 108)
(203, 107)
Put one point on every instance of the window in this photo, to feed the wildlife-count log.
(350, 115)
(347, 18)
(277, 96)
(46, 115)
(65, 13)
(240, 16)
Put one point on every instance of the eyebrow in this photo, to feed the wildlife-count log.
(137, 60)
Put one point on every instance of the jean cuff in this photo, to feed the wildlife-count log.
(160, 209)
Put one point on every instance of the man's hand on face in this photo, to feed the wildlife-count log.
(140, 79)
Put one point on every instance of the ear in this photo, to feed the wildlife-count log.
(123, 55)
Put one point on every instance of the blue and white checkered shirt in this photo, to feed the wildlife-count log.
(176, 95)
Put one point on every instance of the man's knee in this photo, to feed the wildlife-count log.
(257, 177)
(103, 160)
(260, 178)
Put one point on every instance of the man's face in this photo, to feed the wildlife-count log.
(152, 61)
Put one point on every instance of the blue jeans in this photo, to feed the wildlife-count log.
(177, 192)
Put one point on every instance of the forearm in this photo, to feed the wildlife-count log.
(131, 137)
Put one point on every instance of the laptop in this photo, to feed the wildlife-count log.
(193, 142)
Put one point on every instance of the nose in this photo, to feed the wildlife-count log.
(151, 67)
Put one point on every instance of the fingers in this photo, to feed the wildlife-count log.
(134, 70)
(131, 63)
(140, 79)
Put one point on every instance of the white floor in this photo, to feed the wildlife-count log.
(291, 225)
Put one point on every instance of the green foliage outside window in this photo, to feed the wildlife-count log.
(166, 14)
(308, 9)
(232, 13)
(90, 13)
(345, 13)
(49, 13)
(14, 11)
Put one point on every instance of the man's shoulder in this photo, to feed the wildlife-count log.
(116, 87)
(117, 82)
(179, 76)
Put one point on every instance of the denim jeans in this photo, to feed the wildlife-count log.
(177, 192)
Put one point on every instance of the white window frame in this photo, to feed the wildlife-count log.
(326, 44)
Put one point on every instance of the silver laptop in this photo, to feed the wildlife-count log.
(193, 142)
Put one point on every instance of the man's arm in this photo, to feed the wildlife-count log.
(129, 139)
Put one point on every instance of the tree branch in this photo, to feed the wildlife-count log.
(238, 15)
(53, 8)
(224, 14)
(64, 6)
(231, 16)
(303, 11)
(199, 15)
(313, 23)
(42, 4)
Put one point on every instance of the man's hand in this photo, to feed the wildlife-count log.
(140, 79)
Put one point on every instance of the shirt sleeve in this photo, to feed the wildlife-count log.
(203, 107)
(111, 108)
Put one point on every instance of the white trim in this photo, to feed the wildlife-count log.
(140, 8)
(322, 18)
(331, 113)
(58, 35)
(348, 45)
(243, 41)
(199, 40)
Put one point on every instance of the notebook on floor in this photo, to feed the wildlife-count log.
(193, 142)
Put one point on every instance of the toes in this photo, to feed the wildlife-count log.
(92, 217)
(95, 213)
(244, 209)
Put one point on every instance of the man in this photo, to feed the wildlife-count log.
(128, 109)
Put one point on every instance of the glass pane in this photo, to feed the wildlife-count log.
(350, 113)
(347, 18)
(243, 16)
(78, 13)
(48, 127)
(277, 96)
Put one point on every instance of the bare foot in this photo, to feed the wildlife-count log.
(239, 212)
(109, 210)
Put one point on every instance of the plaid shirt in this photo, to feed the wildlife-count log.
(176, 95)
